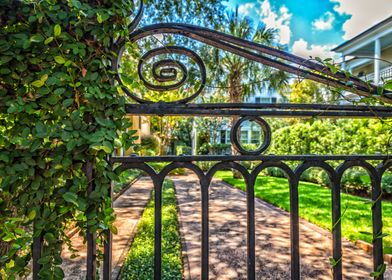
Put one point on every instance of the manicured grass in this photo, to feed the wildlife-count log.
(139, 264)
(315, 206)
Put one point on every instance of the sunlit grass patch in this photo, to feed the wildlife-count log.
(139, 264)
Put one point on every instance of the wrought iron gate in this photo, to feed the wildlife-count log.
(166, 71)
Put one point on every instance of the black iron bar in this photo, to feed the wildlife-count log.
(290, 106)
(305, 62)
(158, 185)
(378, 257)
(294, 229)
(37, 252)
(91, 236)
(336, 230)
(250, 214)
(204, 187)
(160, 110)
(186, 158)
(107, 247)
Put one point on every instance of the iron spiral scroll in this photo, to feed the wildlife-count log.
(266, 55)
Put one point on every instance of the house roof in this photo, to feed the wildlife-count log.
(364, 33)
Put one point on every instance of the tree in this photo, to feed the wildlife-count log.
(307, 91)
(239, 75)
(208, 13)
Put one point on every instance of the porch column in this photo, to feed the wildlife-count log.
(377, 56)
(343, 65)
(194, 138)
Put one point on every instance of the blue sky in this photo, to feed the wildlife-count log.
(313, 27)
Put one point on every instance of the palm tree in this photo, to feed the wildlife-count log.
(239, 75)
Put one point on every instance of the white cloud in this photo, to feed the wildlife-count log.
(364, 14)
(279, 20)
(324, 22)
(245, 9)
(304, 49)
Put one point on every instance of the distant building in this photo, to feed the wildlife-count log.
(250, 135)
(369, 54)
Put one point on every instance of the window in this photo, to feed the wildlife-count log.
(223, 137)
(255, 138)
(266, 100)
(244, 136)
(257, 100)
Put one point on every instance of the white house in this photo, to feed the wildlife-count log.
(251, 134)
(369, 54)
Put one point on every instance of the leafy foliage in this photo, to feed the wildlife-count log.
(59, 110)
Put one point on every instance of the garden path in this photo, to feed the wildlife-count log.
(227, 222)
(128, 208)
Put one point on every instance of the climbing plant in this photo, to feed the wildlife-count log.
(60, 113)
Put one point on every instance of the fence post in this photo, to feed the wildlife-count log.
(91, 236)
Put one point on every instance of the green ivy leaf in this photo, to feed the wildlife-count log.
(99, 18)
(37, 38)
(48, 40)
(71, 197)
(32, 214)
(38, 83)
(59, 59)
(57, 30)
(4, 157)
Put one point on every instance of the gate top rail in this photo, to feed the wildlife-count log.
(267, 110)
(188, 158)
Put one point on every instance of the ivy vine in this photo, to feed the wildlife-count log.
(59, 110)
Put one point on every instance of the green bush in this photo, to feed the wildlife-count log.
(219, 149)
(149, 146)
(386, 183)
(205, 165)
(204, 149)
(183, 150)
(274, 172)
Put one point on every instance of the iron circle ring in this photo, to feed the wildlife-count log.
(235, 135)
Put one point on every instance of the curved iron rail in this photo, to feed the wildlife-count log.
(268, 56)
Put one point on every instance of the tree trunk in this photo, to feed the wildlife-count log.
(236, 96)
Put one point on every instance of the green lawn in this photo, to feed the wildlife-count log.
(315, 206)
(139, 264)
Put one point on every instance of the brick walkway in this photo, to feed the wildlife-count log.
(228, 238)
(128, 208)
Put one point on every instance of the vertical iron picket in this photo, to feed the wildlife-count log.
(204, 186)
(378, 258)
(158, 184)
(294, 229)
(336, 229)
(250, 202)
(91, 236)
(107, 247)
(37, 252)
